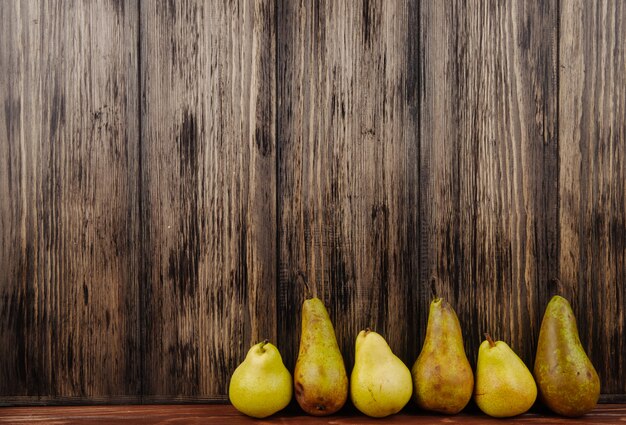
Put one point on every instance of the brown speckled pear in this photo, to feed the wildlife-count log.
(321, 383)
(442, 376)
(568, 382)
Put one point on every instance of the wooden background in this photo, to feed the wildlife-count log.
(171, 173)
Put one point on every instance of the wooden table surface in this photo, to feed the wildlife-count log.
(216, 414)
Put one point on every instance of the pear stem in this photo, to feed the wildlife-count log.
(367, 330)
(491, 343)
(263, 343)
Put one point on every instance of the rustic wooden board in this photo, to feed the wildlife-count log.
(489, 165)
(159, 414)
(347, 180)
(173, 173)
(69, 208)
(592, 152)
(208, 185)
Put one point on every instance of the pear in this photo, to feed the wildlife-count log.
(321, 383)
(380, 384)
(568, 383)
(442, 376)
(261, 384)
(504, 385)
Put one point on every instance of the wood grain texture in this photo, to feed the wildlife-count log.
(208, 99)
(68, 200)
(226, 414)
(489, 165)
(173, 173)
(346, 170)
(592, 134)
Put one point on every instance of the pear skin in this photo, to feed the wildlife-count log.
(380, 384)
(320, 379)
(442, 376)
(568, 383)
(261, 384)
(504, 385)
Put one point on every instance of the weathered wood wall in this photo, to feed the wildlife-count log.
(69, 202)
(489, 164)
(171, 173)
(208, 192)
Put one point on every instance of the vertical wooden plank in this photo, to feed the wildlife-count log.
(489, 164)
(209, 191)
(347, 174)
(68, 201)
(592, 135)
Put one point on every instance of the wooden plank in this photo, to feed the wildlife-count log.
(346, 170)
(592, 151)
(489, 165)
(68, 199)
(159, 414)
(209, 191)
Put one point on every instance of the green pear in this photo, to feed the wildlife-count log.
(568, 383)
(261, 384)
(380, 384)
(321, 383)
(504, 385)
(442, 376)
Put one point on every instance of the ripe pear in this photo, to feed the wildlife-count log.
(504, 385)
(442, 376)
(261, 384)
(321, 383)
(381, 383)
(568, 383)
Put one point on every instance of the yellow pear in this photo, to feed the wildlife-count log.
(380, 384)
(442, 376)
(568, 383)
(261, 384)
(504, 385)
(320, 379)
